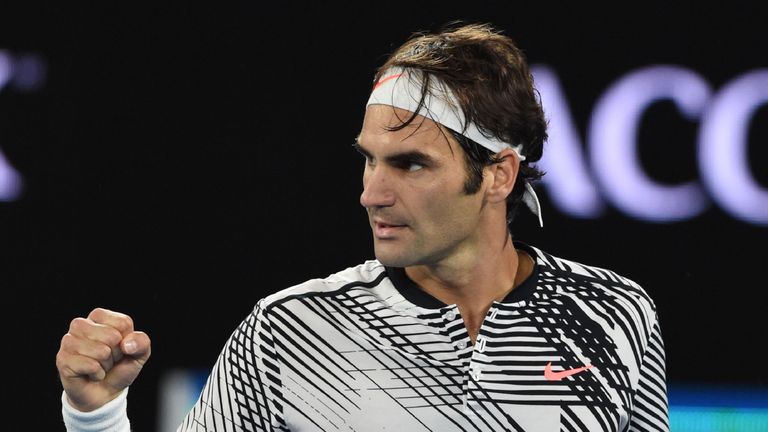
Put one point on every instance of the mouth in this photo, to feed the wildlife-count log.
(384, 230)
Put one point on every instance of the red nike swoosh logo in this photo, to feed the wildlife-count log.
(385, 79)
(550, 375)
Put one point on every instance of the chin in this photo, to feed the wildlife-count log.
(390, 261)
(393, 258)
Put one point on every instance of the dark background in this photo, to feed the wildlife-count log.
(181, 162)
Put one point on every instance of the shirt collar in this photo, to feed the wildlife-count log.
(414, 294)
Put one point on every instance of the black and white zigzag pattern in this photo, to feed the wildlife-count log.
(351, 353)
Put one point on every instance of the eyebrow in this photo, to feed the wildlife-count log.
(413, 156)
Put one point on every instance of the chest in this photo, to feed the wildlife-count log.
(528, 369)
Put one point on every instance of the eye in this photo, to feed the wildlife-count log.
(409, 165)
(413, 166)
(368, 160)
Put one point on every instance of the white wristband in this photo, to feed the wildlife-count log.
(111, 417)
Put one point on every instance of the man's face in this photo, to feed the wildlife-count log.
(413, 190)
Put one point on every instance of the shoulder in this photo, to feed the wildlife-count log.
(573, 274)
(366, 275)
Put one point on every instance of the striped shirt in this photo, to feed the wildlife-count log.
(573, 348)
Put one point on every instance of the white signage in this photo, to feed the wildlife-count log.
(580, 185)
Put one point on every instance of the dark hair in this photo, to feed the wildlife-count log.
(489, 76)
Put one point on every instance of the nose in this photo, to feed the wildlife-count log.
(377, 188)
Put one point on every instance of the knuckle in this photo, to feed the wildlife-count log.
(78, 323)
(61, 361)
(103, 352)
(113, 337)
(97, 313)
(74, 366)
(123, 323)
(90, 366)
(128, 322)
(66, 342)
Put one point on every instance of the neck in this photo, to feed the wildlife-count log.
(473, 281)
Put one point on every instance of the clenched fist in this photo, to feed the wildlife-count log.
(99, 357)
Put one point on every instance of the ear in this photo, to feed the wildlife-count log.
(502, 175)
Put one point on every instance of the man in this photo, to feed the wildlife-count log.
(454, 326)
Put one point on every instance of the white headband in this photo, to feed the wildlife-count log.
(401, 88)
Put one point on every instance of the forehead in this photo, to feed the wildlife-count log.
(422, 134)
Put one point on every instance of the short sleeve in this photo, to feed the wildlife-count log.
(650, 406)
(243, 391)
